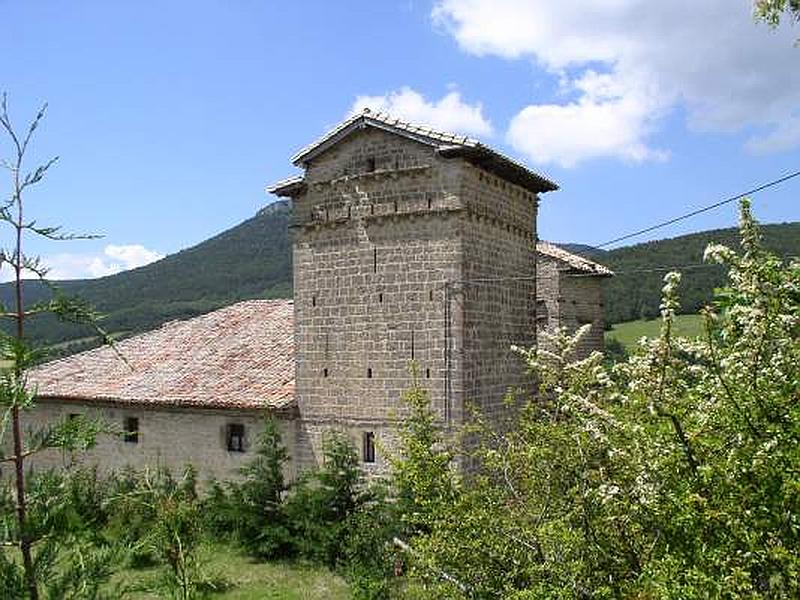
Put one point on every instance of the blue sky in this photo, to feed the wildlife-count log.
(171, 117)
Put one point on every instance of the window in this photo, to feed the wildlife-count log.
(370, 167)
(542, 313)
(368, 450)
(369, 373)
(130, 428)
(72, 416)
(235, 437)
(325, 372)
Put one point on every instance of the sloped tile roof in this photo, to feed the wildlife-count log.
(446, 144)
(241, 356)
(573, 261)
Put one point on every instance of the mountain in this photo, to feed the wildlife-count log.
(253, 260)
(250, 260)
(635, 291)
(583, 250)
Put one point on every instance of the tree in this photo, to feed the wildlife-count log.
(672, 474)
(16, 355)
(773, 11)
(251, 511)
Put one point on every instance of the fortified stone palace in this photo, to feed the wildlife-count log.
(410, 246)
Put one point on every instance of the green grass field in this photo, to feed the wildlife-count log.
(245, 579)
(628, 334)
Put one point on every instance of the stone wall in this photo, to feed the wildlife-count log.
(169, 437)
(499, 291)
(583, 304)
(569, 299)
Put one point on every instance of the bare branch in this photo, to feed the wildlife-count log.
(34, 124)
(37, 174)
(34, 265)
(5, 121)
(53, 233)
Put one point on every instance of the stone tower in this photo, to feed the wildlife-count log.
(409, 245)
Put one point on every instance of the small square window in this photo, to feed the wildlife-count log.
(72, 416)
(368, 450)
(130, 434)
(235, 437)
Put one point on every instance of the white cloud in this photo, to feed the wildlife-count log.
(113, 259)
(708, 58)
(604, 121)
(450, 113)
(785, 137)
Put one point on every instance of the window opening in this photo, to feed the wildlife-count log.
(368, 450)
(380, 297)
(412, 344)
(313, 300)
(235, 437)
(325, 372)
(370, 164)
(131, 430)
(369, 373)
(374, 260)
(427, 373)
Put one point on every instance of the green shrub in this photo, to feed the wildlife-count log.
(321, 501)
(251, 512)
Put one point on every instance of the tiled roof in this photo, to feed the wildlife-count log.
(573, 261)
(446, 144)
(241, 356)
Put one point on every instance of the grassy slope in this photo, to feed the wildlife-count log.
(629, 333)
(251, 580)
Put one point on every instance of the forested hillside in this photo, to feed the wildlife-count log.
(252, 259)
(635, 291)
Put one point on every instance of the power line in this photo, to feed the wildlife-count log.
(654, 269)
(755, 190)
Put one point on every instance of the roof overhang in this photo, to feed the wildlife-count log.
(501, 165)
(288, 188)
(447, 145)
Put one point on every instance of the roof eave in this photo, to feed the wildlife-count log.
(288, 188)
(502, 166)
(285, 403)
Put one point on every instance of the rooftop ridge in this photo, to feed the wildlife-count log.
(575, 261)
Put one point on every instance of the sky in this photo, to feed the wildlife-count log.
(170, 118)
